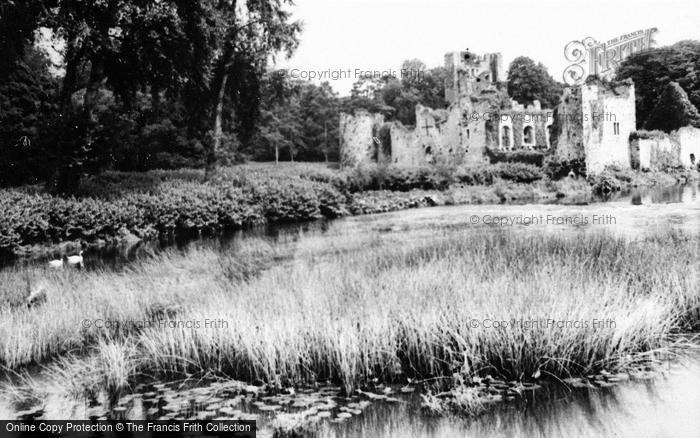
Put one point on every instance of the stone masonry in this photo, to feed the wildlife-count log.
(593, 122)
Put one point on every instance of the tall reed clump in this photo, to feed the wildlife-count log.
(353, 311)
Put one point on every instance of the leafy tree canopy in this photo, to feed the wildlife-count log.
(652, 70)
(528, 81)
(673, 110)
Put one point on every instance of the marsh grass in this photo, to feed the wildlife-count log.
(364, 307)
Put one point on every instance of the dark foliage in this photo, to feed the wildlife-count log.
(528, 157)
(27, 112)
(652, 70)
(528, 82)
(673, 110)
(556, 168)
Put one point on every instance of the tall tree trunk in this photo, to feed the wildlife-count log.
(78, 133)
(155, 102)
(90, 103)
(59, 180)
(325, 140)
(217, 132)
(277, 154)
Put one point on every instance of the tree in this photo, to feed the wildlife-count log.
(102, 46)
(210, 54)
(27, 101)
(673, 110)
(297, 116)
(319, 121)
(279, 125)
(244, 36)
(396, 97)
(653, 69)
(366, 95)
(18, 22)
(528, 82)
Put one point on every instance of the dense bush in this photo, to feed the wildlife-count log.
(475, 175)
(673, 110)
(485, 174)
(518, 172)
(556, 168)
(158, 203)
(378, 177)
(528, 157)
(606, 183)
(642, 134)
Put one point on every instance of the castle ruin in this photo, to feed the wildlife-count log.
(593, 123)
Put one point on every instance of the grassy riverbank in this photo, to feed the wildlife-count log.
(360, 307)
(114, 207)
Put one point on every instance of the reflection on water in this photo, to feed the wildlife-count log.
(664, 195)
(664, 407)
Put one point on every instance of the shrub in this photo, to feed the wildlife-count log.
(379, 177)
(161, 202)
(475, 175)
(556, 168)
(643, 135)
(518, 172)
(528, 157)
(673, 110)
(605, 183)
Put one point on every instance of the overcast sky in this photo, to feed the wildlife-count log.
(380, 34)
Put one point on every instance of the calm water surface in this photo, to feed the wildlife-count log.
(664, 407)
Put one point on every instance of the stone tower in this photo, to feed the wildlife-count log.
(469, 73)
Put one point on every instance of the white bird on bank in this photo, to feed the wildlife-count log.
(57, 264)
(76, 260)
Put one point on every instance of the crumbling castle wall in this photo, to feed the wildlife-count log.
(611, 119)
(448, 136)
(359, 137)
(568, 122)
(654, 152)
(595, 121)
(658, 151)
(524, 127)
(688, 139)
(471, 73)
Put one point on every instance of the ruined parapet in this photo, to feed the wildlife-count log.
(611, 119)
(359, 138)
(440, 137)
(657, 150)
(469, 73)
(424, 144)
(568, 126)
(406, 149)
(653, 150)
(594, 122)
(524, 127)
(688, 139)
